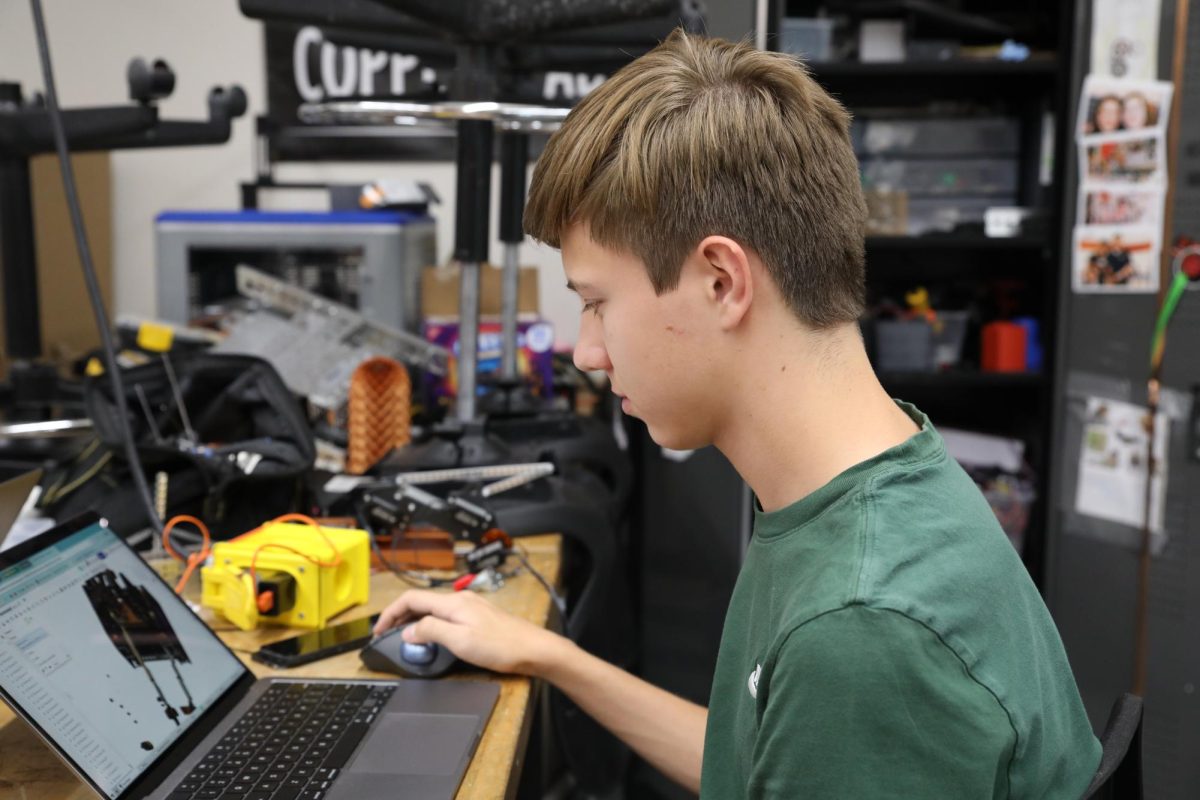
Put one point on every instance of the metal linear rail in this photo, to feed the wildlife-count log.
(506, 476)
(46, 430)
(504, 116)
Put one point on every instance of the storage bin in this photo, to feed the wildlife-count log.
(880, 40)
(941, 137)
(903, 345)
(949, 333)
(808, 37)
(942, 176)
(933, 214)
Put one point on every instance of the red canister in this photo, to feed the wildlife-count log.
(1003, 347)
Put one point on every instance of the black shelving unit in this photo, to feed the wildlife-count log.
(966, 265)
(953, 243)
(974, 68)
(965, 380)
(888, 83)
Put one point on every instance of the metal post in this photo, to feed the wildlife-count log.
(18, 261)
(471, 248)
(510, 284)
(514, 161)
(468, 339)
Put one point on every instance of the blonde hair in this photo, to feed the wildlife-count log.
(705, 137)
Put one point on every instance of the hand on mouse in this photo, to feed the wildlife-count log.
(474, 630)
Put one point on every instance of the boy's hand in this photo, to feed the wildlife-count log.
(666, 730)
(474, 630)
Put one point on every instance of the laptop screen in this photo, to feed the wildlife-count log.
(100, 653)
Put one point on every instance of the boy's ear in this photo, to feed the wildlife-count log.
(728, 278)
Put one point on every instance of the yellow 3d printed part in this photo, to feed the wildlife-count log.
(325, 571)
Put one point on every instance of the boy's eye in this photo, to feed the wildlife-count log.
(591, 305)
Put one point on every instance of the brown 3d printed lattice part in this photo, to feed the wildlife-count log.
(379, 412)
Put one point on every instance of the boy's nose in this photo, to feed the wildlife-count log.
(590, 353)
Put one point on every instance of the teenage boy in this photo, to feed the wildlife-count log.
(883, 639)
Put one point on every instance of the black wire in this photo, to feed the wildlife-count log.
(411, 578)
(555, 597)
(431, 582)
(366, 526)
(89, 270)
(558, 708)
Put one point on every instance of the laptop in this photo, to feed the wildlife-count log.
(13, 495)
(143, 701)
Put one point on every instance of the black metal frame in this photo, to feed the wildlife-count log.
(25, 132)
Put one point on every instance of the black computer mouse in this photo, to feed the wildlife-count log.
(388, 652)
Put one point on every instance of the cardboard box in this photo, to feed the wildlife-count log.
(68, 327)
(440, 287)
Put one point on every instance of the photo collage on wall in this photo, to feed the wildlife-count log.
(1122, 184)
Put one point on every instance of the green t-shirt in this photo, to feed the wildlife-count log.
(884, 640)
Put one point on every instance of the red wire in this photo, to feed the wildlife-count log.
(195, 559)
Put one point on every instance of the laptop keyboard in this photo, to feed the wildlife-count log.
(289, 745)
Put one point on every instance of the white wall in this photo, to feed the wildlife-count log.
(207, 43)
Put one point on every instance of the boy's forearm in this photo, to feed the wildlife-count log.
(666, 730)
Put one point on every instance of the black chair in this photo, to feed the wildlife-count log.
(1119, 776)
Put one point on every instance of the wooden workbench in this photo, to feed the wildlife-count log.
(31, 771)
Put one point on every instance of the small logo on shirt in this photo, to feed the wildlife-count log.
(752, 684)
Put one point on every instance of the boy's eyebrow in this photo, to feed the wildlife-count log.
(578, 287)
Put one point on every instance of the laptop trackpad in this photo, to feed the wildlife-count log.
(417, 744)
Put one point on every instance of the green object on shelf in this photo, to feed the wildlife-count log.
(1170, 303)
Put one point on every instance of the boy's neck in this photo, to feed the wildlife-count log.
(808, 413)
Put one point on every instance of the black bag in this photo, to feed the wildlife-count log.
(252, 441)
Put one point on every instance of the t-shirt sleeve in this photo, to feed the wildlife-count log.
(864, 702)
